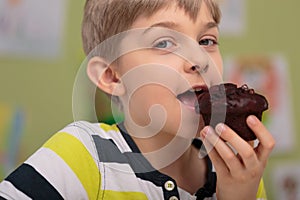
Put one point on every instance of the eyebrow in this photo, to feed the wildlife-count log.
(165, 24)
(210, 25)
(173, 25)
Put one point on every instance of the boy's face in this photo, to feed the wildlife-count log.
(171, 45)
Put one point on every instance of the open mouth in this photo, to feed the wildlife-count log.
(189, 97)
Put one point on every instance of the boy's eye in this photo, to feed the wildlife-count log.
(164, 44)
(208, 42)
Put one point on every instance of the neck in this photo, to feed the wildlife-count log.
(160, 149)
(175, 157)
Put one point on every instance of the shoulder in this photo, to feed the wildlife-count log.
(82, 137)
(65, 167)
(87, 133)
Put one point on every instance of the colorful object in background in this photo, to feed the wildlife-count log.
(32, 28)
(11, 131)
(234, 14)
(286, 181)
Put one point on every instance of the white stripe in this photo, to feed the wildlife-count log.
(118, 138)
(53, 168)
(150, 189)
(126, 175)
(95, 129)
(185, 195)
(8, 191)
(214, 197)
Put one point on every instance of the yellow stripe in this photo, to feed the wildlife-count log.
(261, 192)
(73, 152)
(110, 194)
(107, 127)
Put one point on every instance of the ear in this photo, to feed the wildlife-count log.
(104, 76)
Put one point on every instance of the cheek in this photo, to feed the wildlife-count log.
(152, 105)
(130, 61)
(220, 65)
(218, 61)
(147, 96)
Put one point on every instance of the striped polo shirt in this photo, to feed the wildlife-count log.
(96, 161)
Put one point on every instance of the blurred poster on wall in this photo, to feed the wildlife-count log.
(269, 76)
(31, 27)
(233, 17)
(286, 181)
(11, 132)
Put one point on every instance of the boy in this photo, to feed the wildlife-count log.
(150, 70)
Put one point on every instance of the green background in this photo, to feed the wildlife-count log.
(43, 87)
(273, 28)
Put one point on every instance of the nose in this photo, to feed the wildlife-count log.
(197, 59)
(207, 71)
(198, 62)
(197, 68)
(197, 65)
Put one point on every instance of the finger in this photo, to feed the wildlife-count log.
(266, 140)
(243, 148)
(228, 156)
(214, 156)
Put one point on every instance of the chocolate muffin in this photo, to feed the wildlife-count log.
(231, 105)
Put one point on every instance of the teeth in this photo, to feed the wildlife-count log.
(196, 90)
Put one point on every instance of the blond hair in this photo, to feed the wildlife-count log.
(105, 18)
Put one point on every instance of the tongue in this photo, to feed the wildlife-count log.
(188, 98)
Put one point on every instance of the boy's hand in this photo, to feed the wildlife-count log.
(238, 175)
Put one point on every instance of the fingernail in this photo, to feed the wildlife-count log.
(204, 132)
(220, 128)
(252, 120)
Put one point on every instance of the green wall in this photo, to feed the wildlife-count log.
(43, 88)
(273, 28)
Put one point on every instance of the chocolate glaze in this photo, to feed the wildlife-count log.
(231, 105)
